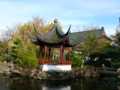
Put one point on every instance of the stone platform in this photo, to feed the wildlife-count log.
(48, 67)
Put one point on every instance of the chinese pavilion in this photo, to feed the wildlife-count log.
(54, 42)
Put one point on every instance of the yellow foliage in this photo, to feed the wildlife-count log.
(24, 31)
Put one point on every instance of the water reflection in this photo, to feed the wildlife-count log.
(82, 84)
(56, 85)
(4, 84)
(95, 84)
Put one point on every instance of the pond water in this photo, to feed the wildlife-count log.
(82, 84)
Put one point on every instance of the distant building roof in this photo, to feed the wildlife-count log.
(78, 37)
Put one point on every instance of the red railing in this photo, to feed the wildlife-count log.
(43, 61)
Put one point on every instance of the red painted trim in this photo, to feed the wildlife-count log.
(65, 62)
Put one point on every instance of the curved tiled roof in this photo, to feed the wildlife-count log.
(53, 37)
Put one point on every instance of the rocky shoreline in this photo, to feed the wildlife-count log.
(11, 70)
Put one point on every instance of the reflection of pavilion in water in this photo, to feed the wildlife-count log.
(82, 84)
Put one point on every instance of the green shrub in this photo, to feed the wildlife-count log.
(26, 58)
(23, 54)
(77, 59)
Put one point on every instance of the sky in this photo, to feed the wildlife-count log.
(78, 13)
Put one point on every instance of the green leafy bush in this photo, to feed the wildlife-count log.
(26, 58)
(26, 54)
(77, 59)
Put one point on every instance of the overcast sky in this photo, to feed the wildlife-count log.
(78, 13)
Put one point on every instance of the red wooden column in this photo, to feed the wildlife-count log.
(61, 54)
(69, 61)
(46, 55)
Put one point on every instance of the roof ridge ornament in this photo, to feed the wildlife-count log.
(58, 28)
(55, 21)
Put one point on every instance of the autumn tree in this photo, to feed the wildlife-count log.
(21, 49)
